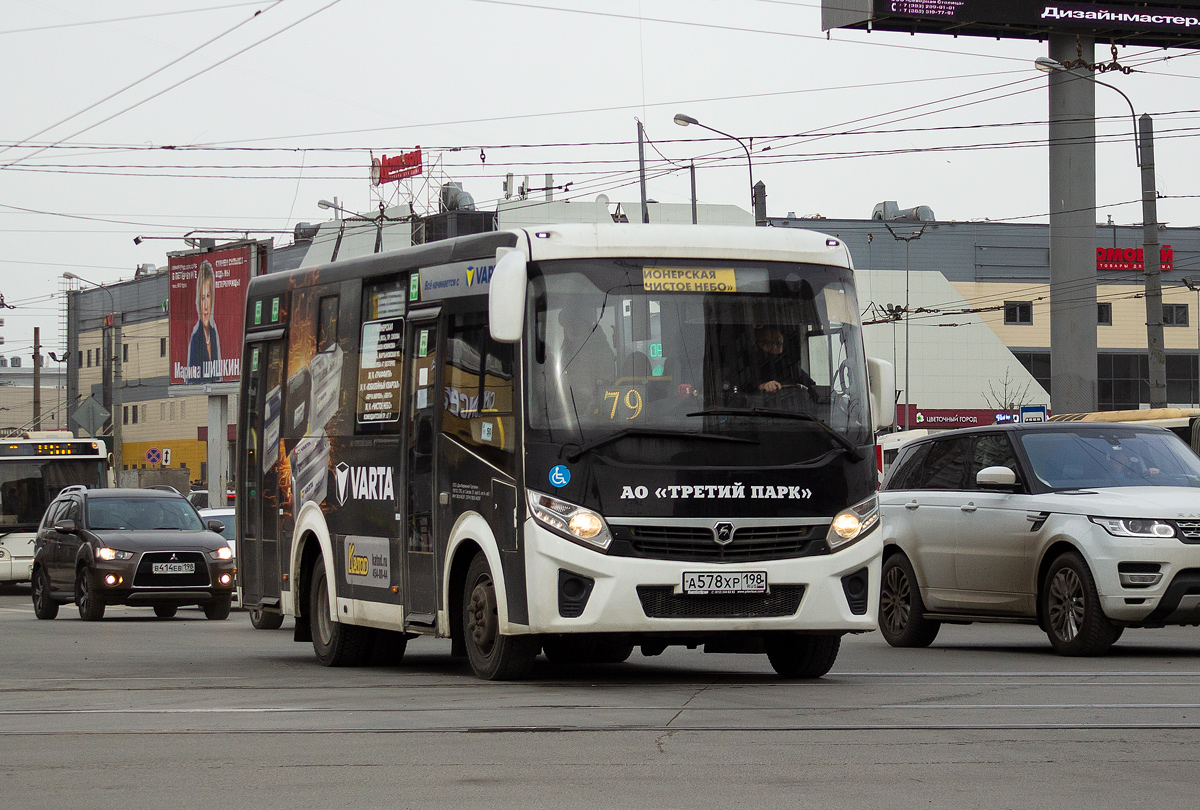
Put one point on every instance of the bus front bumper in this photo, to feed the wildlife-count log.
(574, 589)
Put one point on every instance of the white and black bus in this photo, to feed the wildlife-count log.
(572, 441)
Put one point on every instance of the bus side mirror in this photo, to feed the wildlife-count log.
(506, 296)
(881, 380)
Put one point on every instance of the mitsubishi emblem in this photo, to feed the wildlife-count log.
(723, 533)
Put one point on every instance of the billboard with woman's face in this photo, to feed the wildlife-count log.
(208, 310)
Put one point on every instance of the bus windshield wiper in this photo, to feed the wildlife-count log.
(575, 454)
(771, 413)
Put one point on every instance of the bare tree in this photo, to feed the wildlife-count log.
(1011, 394)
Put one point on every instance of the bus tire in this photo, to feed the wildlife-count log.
(335, 643)
(44, 606)
(493, 656)
(265, 620)
(796, 655)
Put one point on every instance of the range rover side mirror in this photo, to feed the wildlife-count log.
(997, 478)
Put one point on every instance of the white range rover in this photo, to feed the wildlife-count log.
(1083, 528)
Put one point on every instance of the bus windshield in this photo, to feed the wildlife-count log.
(767, 352)
(28, 485)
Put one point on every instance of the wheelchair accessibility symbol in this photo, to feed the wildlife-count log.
(560, 476)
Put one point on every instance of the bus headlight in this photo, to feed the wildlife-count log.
(851, 525)
(574, 522)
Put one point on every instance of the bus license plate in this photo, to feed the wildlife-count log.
(702, 582)
(174, 568)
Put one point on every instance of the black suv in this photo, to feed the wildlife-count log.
(99, 547)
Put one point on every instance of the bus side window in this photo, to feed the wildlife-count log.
(478, 397)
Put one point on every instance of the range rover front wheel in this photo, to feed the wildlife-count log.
(1071, 610)
(901, 612)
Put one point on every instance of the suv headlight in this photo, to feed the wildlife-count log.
(1135, 527)
(223, 553)
(851, 525)
(113, 554)
(574, 522)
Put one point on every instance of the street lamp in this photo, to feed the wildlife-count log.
(687, 120)
(1143, 143)
(115, 342)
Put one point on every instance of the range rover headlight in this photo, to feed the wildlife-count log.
(1135, 527)
(851, 525)
(113, 554)
(565, 518)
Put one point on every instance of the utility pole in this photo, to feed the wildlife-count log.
(907, 240)
(118, 444)
(37, 378)
(642, 171)
(692, 172)
(1152, 262)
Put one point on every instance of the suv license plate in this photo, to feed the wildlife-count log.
(702, 582)
(173, 568)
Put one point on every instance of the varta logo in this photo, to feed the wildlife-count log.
(479, 275)
(364, 484)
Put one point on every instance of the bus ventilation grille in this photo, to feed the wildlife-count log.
(661, 602)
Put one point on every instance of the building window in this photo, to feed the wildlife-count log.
(172, 411)
(1175, 314)
(81, 358)
(162, 411)
(124, 414)
(162, 347)
(1018, 312)
(89, 362)
(1104, 314)
(124, 352)
(145, 408)
(183, 409)
(135, 414)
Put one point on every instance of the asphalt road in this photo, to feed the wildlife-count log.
(140, 712)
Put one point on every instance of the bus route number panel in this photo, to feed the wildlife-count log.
(710, 582)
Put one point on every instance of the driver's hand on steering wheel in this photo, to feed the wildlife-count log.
(770, 386)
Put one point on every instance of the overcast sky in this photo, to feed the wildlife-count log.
(290, 100)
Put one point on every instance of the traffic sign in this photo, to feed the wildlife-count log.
(154, 455)
(90, 415)
(166, 457)
(1033, 413)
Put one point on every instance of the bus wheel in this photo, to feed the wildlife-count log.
(336, 644)
(44, 606)
(493, 656)
(795, 655)
(265, 620)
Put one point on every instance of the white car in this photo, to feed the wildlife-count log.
(228, 516)
(1083, 528)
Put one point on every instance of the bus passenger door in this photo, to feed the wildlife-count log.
(420, 558)
(258, 500)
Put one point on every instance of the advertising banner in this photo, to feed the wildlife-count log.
(207, 312)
